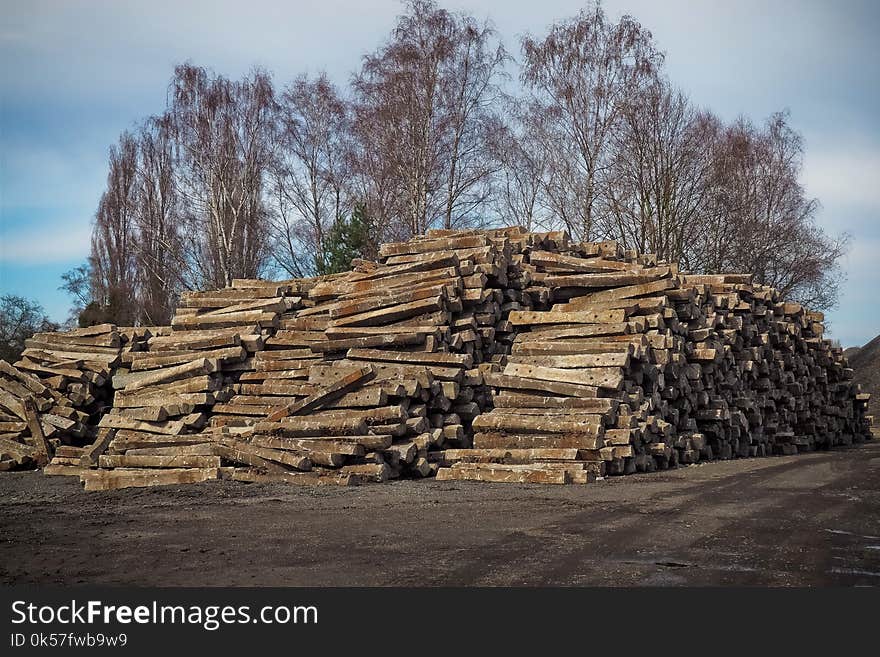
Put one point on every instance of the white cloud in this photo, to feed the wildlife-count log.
(849, 177)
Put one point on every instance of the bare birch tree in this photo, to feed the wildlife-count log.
(766, 225)
(659, 172)
(520, 147)
(161, 265)
(113, 258)
(423, 109)
(582, 75)
(223, 131)
(308, 173)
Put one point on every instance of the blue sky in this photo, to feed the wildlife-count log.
(75, 73)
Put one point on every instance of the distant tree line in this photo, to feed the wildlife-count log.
(240, 179)
(20, 318)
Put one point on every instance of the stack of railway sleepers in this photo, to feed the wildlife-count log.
(76, 367)
(26, 407)
(297, 443)
(201, 402)
(764, 363)
(174, 386)
(497, 355)
(77, 364)
(673, 369)
(565, 399)
(411, 321)
(164, 395)
(418, 321)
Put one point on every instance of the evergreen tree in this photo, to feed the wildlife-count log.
(348, 239)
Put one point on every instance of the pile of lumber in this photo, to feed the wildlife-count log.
(78, 365)
(165, 393)
(342, 378)
(633, 367)
(64, 379)
(28, 411)
(422, 327)
(496, 355)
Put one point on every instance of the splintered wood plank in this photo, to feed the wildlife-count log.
(425, 374)
(632, 306)
(537, 385)
(152, 361)
(537, 424)
(531, 318)
(237, 450)
(12, 404)
(352, 332)
(501, 439)
(341, 448)
(412, 357)
(228, 320)
(13, 427)
(199, 366)
(378, 415)
(617, 279)
(168, 427)
(499, 473)
(239, 406)
(391, 314)
(298, 353)
(74, 351)
(389, 340)
(21, 391)
(432, 245)
(297, 427)
(600, 377)
(588, 405)
(16, 450)
(196, 449)
(131, 478)
(64, 372)
(384, 298)
(201, 338)
(568, 361)
(574, 347)
(346, 383)
(273, 304)
(44, 449)
(29, 381)
(127, 439)
(156, 461)
(57, 355)
(362, 398)
(627, 291)
(123, 401)
(424, 261)
(105, 341)
(149, 414)
(565, 263)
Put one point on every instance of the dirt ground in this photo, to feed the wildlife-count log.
(807, 520)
